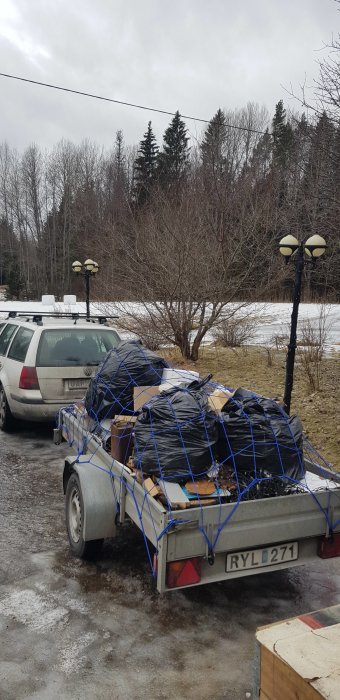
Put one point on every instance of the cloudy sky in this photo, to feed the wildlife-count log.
(191, 55)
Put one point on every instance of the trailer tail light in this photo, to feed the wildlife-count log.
(28, 378)
(329, 546)
(184, 572)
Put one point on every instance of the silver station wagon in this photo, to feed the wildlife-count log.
(47, 363)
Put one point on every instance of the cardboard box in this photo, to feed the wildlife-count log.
(219, 398)
(121, 440)
(143, 394)
(299, 658)
(201, 487)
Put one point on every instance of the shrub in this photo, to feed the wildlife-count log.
(311, 349)
(145, 328)
(236, 331)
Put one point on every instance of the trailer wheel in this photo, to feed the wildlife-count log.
(75, 510)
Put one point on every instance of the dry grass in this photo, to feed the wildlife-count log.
(248, 368)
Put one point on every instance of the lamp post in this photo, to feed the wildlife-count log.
(90, 270)
(306, 251)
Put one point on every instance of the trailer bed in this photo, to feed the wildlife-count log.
(229, 540)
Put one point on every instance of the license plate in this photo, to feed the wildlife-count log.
(78, 383)
(266, 556)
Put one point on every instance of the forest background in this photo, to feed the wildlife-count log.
(219, 205)
(184, 227)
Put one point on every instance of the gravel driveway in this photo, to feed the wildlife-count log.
(86, 631)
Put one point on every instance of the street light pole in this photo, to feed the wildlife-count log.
(90, 270)
(307, 251)
(293, 330)
(87, 275)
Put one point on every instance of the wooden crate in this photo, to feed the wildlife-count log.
(299, 659)
(121, 440)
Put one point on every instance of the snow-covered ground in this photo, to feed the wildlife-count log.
(275, 321)
(274, 318)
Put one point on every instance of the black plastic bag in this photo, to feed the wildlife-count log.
(128, 365)
(257, 436)
(175, 434)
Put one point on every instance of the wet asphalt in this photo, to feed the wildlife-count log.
(70, 629)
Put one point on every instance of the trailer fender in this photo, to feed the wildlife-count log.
(100, 506)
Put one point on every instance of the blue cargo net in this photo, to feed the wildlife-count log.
(183, 442)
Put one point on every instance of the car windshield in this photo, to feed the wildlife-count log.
(69, 347)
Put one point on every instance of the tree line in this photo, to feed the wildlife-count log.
(184, 218)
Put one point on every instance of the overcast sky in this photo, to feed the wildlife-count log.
(191, 55)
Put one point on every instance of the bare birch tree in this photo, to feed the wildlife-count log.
(184, 274)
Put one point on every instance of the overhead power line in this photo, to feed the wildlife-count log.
(121, 102)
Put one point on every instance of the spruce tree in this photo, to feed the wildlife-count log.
(283, 137)
(320, 174)
(173, 160)
(283, 140)
(213, 145)
(145, 167)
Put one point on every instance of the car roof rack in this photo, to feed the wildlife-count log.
(37, 316)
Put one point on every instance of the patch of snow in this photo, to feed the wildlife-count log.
(71, 656)
(63, 598)
(33, 610)
(274, 318)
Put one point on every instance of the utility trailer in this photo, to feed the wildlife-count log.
(201, 544)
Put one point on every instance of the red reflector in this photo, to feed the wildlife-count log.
(329, 546)
(185, 572)
(28, 378)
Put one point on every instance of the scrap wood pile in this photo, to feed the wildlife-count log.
(187, 440)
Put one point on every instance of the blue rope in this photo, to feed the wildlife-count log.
(180, 427)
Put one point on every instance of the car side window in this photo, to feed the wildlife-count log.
(5, 337)
(19, 347)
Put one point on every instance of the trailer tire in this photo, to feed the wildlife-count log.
(75, 512)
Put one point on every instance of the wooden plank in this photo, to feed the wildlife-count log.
(308, 646)
(151, 488)
(194, 504)
(263, 696)
(278, 681)
(122, 418)
(267, 671)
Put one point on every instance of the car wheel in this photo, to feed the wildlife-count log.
(7, 422)
(75, 521)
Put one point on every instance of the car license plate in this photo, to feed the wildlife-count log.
(266, 556)
(78, 383)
